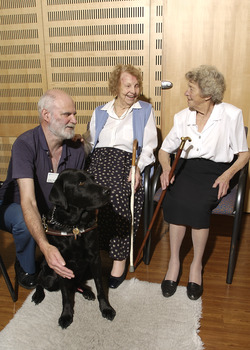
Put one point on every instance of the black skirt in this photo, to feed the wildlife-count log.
(111, 167)
(191, 198)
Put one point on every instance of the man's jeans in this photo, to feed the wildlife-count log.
(11, 220)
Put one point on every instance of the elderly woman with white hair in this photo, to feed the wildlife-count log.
(113, 128)
(218, 150)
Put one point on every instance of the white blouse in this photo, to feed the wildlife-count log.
(118, 133)
(222, 137)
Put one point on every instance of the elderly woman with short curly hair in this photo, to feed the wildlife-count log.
(113, 128)
(217, 151)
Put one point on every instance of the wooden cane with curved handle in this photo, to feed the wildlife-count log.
(178, 154)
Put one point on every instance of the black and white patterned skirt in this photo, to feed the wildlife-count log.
(111, 167)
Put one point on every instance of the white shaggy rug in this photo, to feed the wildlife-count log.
(145, 320)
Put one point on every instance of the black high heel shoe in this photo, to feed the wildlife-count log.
(115, 282)
(194, 290)
(168, 288)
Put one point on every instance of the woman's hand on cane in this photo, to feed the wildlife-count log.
(164, 159)
(164, 178)
(138, 181)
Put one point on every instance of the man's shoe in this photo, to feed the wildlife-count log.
(115, 282)
(26, 280)
(194, 290)
(168, 288)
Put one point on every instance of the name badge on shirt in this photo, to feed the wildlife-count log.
(51, 178)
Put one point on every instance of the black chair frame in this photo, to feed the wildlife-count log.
(7, 280)
(6, 276)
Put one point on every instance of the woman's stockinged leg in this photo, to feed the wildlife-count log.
(118, 273)
(118, 268)
(199, 238)
(176, 235)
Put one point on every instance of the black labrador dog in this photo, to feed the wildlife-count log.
(71, 227)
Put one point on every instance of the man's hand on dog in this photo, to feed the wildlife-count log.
(78, 137)
(57, 263)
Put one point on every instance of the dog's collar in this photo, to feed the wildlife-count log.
(75, 231)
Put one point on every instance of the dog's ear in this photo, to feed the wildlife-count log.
(57, 196)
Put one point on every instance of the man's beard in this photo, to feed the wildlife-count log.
(63, 132)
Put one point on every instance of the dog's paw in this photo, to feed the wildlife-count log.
(86, 293)
(109, 313)
(38, 296)
(65, 320)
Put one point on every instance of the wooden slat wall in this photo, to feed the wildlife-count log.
(5, 153)
(73, 45)
(155, 57)
(206, 32)
(86, 39)
(22, 68)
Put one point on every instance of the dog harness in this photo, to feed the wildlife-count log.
(75, 230)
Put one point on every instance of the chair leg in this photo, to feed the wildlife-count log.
(233, 247)
(147, 189)
(147, 248)
(146, 251)
(7, 280)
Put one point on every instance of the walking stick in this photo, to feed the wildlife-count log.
(183, 141)
(133, 168)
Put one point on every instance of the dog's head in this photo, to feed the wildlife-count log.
(76, 188)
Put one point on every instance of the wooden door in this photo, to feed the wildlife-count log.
(212, 32)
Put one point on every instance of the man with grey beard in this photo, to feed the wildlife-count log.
(38, 156)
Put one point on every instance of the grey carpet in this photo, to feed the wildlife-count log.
(145, 320)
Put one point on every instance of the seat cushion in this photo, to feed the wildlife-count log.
(226, 205)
